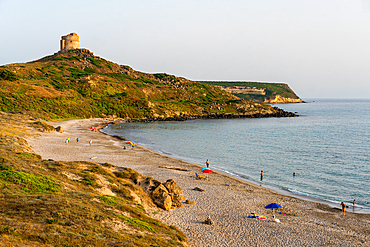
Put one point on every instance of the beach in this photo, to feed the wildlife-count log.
(226, 200)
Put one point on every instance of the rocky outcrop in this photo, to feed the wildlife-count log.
(59, 129)
(278, 99)
(275, 113)
(167, 195)
(161, 197)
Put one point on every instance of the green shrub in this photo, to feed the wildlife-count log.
(138, 223)
(6, 74)
(94, 61)
(88, 179)
(30, 183)
(139, 84)
(77, 73)
(160, 75)
(89, 70)
(118, 76)
(109, 200)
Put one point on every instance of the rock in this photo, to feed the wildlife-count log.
(208, 221)
(172, 187)
(189, 202)
(199, 189)
(176, 200)
(161, 197)
(59, 129)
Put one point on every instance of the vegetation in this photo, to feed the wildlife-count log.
(52, 203)
(78, 84)
(6, 74)
(271, 89)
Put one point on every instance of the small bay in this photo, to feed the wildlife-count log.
(327, 147)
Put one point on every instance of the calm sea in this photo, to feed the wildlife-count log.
(327, 147)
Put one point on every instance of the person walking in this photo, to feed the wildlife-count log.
(343, 208)
(261, 175)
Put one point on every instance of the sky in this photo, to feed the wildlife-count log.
(320, 48)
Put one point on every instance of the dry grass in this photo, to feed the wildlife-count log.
(52, 203)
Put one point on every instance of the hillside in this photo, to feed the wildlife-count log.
(54, 203)
(258, 91)
(77, 84)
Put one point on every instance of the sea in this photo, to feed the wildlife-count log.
(327, 147)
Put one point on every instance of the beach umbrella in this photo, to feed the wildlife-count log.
(203, 168)
(129, 143)
(207, 170)
(273, 206)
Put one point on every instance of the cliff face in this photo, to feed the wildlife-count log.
(276, 93)
(278, 99)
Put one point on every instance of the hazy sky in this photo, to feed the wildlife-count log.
(320, 48)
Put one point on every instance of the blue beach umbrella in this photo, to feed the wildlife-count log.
(273, 206)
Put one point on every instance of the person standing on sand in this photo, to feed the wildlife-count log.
(343, 208)
(77, 139)
(207, 163)
(261, 175)
(90, 142)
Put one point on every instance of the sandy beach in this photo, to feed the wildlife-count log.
(226, 200)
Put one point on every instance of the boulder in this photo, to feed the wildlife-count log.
(59, 129)
(161, 197)
(172, 187)
(176, 200)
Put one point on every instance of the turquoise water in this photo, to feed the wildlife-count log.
(327, 146)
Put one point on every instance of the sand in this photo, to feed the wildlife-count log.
(226, 200)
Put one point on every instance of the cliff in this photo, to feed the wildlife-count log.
(276, 93)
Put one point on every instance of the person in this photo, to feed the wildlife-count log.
(77, 139)
(124, 147)
(343, 208)
(261, 175)
(90, 142)
(354, 202)
(293, 174)
(133, 145)
(207, 163)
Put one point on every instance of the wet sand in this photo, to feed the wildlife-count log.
(226, 200)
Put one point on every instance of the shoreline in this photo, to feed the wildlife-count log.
(228, 206)
(359, 209)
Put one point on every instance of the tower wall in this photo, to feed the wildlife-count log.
(70, 42)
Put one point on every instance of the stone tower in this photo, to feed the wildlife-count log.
(70, 42)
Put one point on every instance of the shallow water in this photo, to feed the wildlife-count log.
(327, 147)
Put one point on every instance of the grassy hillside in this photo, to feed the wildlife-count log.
(78, 84)
(52, 203)
(271, 89)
